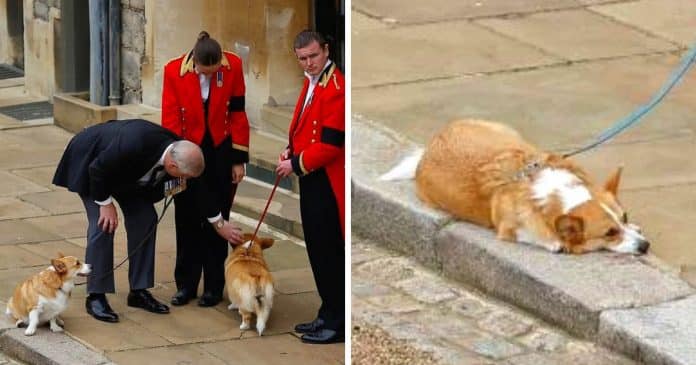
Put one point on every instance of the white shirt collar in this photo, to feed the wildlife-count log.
(314, 79)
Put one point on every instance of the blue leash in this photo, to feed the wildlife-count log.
(634, 117)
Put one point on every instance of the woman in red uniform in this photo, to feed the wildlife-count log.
(203, 102)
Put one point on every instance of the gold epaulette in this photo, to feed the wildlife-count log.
(327, 75)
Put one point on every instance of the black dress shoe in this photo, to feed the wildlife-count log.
(183, 296)
(209, 299)
(309, 327)
(323, 336)
(142, 298)
(98, 307)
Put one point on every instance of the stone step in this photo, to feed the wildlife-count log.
(283, 212)
(276, 119)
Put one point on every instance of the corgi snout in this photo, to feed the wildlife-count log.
(85, 270)
(643, 247)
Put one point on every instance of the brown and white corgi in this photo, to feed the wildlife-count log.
(487, 174)
(249, 282)
(42, 297)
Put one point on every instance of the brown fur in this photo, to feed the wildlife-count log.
(247, 269)
(470, 169)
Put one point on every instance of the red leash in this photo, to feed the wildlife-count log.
(265, 210)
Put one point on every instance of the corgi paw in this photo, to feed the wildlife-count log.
(555, 247)
(232, 306)
(20, 324)
(244, 326)
(60, 322)
(56, 328)
(260, 328)
(30, 331)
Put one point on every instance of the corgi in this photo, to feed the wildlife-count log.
(486, 173)
(249, 283)
(42, 297)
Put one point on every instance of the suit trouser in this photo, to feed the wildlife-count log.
(140, 218)
(198, 246)
(325, 245)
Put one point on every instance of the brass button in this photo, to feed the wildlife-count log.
(312, 140)
(314, 131)
(315, 122)
(225, 132)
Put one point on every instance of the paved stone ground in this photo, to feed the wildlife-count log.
(37, 220)
(559, 71)
(6, 360)
(426, 317)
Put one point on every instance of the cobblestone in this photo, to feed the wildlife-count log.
(443, 322)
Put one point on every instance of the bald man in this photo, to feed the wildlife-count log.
(127, 161)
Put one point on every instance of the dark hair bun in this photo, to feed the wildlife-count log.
(203, 35)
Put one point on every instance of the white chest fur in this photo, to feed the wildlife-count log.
(51, 307)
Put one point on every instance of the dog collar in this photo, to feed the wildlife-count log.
(531, 168)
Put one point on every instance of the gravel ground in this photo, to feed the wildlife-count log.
(371, 346)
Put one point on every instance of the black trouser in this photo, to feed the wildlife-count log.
(325, 245)
(198, 247)
(140, 219)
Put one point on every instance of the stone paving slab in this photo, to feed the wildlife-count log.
(46, 348)
(568, 106)
(284, 351)
(566, 289)
(42, 175)
(56, 202)
(13, 208)
(16, 231)
(650, 15)
(464, 327)
(660, 334)
(12, 185)
(583, 35)
(409, 53)
(444, 10)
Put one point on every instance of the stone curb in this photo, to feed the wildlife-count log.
(593, 295)
(48, 348)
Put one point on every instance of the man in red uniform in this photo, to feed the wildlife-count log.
(203, 102)
(316, 155)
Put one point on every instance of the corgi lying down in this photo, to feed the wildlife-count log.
(42, 297)
(249, 282)
(487, 174)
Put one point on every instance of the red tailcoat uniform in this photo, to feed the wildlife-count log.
(220, 127)
(317, 134)
(182, 110)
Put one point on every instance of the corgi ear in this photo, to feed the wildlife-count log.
(59, 266)
(612, 184)
(570, 229)
(60, 255)
(266, 242)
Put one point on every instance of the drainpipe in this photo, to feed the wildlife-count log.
(98, 60)
(114, 52)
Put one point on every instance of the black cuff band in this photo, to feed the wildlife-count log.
(239, 156)
(236, 104)
(295, 160)
(333, 137)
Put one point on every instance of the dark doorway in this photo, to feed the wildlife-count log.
(329, 19)
(15, 29)
(72, 46)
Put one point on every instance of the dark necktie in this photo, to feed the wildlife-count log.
(153, 180)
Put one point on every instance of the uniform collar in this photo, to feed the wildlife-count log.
(187, 63)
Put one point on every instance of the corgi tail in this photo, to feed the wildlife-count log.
(406, 169)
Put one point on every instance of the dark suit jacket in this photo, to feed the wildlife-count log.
(110, 158)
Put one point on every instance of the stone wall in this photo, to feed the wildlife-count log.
(132, 50)
(40, 22)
